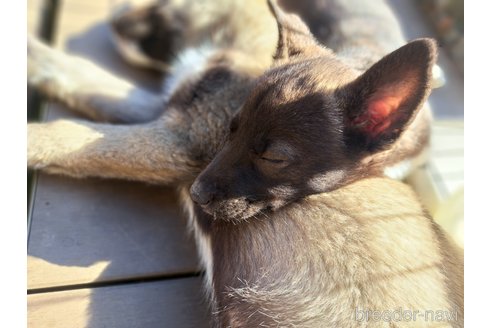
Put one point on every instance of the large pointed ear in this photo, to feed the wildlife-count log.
(294, 36)
(381, 103)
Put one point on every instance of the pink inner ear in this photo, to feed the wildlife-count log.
(377, 116)
(381, 107)
(380, 112)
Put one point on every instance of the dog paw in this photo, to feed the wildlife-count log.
(42, 66)
(56, 147)
(49, 70)
(37, 155)
(40, 62)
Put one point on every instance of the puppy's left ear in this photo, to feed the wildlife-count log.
(294, 36)
(381, 103)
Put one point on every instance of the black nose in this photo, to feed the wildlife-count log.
(202, 193)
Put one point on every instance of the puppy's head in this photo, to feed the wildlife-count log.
(311, 125)
(148, 34)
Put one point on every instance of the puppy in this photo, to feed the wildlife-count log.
(295, 224)
(302, 229)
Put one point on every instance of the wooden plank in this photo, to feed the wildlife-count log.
(170, 303)
(100, 230)
(34, 27)
(34, 15)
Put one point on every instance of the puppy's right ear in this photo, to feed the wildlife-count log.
(294, 36)
(382, 102)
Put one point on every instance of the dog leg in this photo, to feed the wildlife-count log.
(147, 152)
(88, 89)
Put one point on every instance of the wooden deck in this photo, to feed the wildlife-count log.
(105, 253)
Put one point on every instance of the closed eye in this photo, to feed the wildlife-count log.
(277, 155)
(273, 160)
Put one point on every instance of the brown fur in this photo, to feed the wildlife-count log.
(283, 247)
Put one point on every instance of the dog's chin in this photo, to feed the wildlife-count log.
(236, 211)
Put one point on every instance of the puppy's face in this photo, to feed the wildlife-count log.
(308, 127)
(285, 143)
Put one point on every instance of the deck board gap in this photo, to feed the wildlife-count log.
(99, 284)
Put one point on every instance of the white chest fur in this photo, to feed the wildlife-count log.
(203, 241)
(189, 63)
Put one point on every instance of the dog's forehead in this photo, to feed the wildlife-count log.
(292, 82)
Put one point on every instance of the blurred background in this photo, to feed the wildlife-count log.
(440, 183)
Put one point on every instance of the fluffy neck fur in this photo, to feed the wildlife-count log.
(368, 246)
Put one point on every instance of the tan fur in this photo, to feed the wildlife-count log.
(370, 252)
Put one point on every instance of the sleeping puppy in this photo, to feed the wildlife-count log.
(295, 223)
(303, 230)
